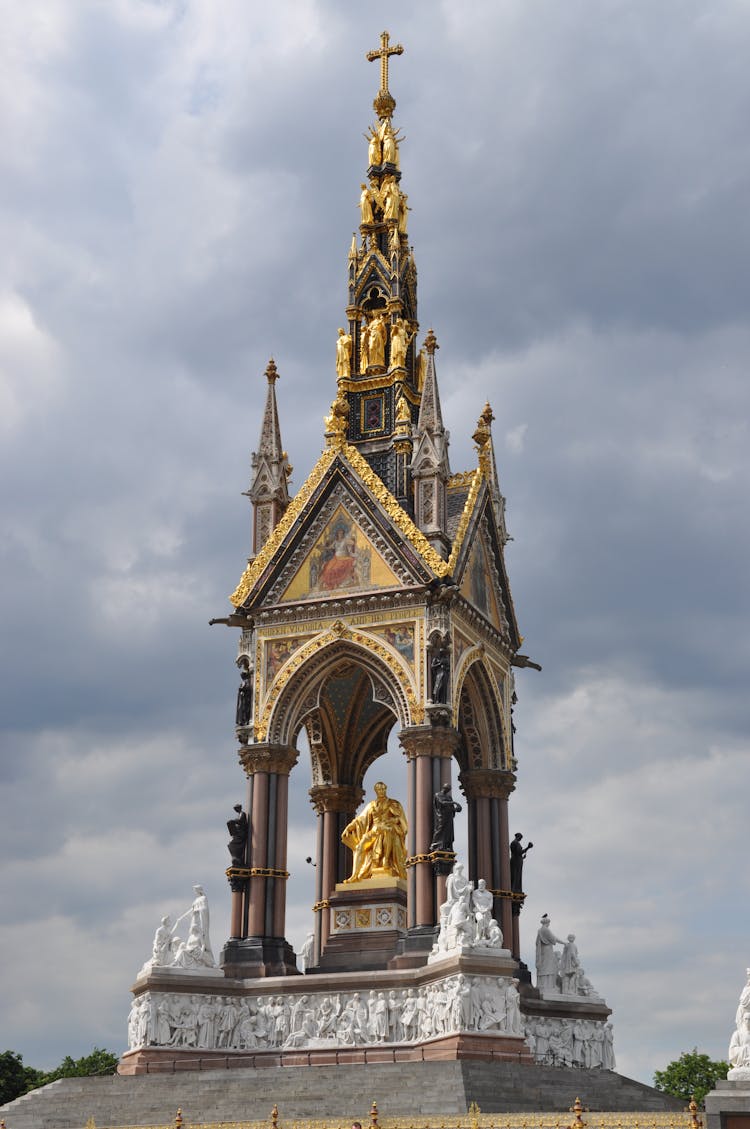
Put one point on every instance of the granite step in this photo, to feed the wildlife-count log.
(437, 1089)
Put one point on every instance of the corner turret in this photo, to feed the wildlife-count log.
(430, 468)
(269, 486)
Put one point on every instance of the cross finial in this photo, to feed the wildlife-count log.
(384, 102)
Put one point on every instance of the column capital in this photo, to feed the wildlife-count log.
(487, 783)
(336, 797)
(429, 741)
(262, 756)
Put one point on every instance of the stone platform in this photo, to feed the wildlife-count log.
(433, 1090)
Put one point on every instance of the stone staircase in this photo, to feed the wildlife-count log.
(407, 1089)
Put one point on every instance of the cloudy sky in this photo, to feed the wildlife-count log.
(179, 186)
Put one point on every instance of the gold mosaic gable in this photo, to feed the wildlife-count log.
(341, 560)
(258, 569)
(478, 584)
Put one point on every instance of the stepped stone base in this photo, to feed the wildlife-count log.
(404, 1089)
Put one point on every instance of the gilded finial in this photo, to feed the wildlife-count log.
(695, 1121)
(577, 1109)
(275, 1116)
(487, 414)
(272, 373)
(353, 248)
(430, 342)
(384, 103)
(374, 1115)
(482, 437)
(178, 1119)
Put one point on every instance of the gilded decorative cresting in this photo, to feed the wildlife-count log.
(468, 510)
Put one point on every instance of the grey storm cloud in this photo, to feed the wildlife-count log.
(180, 185)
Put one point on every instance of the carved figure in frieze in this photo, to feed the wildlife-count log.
(395, 1007)
(163, 1026)
(410, 1016)
(327, 1016)
(238, 831)
(206, 1022)
(133, 1014)
(226, 1021)
(493, 1010)
(444, 808)
(608, 1056)
(513, 1008)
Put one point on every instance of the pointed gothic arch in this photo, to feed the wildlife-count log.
(479, 716)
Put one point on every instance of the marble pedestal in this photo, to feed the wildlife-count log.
(366, 921)
(728, 1105)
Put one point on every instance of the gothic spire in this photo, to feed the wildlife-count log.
(269, 485)
(488, 465)
(376, 363)
(430, 469)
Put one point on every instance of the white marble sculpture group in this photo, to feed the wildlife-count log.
(194, 953)
(586, 1043)
(449, 1004)
(739, 1046)
(560, 973)
(466, 920)
(211, 1022)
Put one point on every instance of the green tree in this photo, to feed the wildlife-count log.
(690, 1075)
(15, 1078)
(98, 1062)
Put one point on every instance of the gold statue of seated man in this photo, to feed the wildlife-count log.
(377, 836)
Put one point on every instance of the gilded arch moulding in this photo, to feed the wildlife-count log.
(410, 710)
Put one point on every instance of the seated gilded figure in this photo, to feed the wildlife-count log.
(377, 836)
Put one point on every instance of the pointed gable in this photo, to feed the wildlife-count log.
(477, 560)
(342, 507)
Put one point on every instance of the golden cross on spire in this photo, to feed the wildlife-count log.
(384, 103)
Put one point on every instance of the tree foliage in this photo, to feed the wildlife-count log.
(17, 1079)
(98, 1062)
(692, 1075)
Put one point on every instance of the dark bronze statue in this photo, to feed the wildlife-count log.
(244, 698)
(517, 855)
(440, 667)
(238, 829)
(444, 809)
